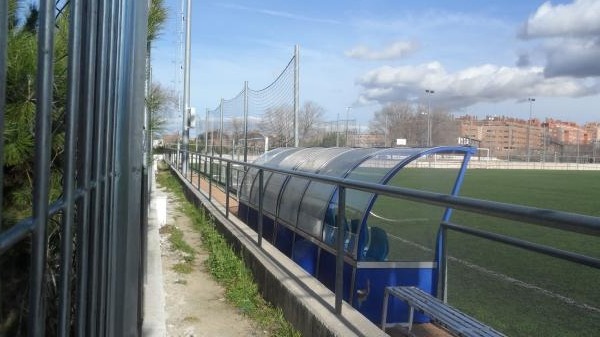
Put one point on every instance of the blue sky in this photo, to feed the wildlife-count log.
(480, 57)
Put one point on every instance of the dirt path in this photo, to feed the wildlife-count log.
(194, 303)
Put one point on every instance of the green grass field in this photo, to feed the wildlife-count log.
(518, 292)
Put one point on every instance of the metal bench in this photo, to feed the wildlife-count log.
(443, 314)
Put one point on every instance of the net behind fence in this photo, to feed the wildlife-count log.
(254, 120)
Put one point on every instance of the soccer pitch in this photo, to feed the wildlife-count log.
(519, 292)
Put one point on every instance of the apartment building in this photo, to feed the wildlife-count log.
(505, 136)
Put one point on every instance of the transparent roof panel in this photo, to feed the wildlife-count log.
(268, 160)
(248, 180)
(412, 227)
(311, 205)
(385, 164)
(318, 195)
(274, 182)
(295, 187)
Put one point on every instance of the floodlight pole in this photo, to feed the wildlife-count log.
(429, 92)
(531, 100)
(296, 93)
(186, 88)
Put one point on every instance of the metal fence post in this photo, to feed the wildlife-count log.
(128, 156)
(41, 175)
(227, 187)
(199, 170)
(245, 121)
(221, 130)
(210, 168)
(339, 261)
(296, 93)
(3, 57)
(260, 205)
(443, 261)
(75, 39)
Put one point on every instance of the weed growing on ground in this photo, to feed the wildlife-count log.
(229, 269)
(187, 252)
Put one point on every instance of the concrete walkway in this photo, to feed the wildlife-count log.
(154, 301)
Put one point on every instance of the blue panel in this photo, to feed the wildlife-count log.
(268, 228)
(305, 255)
(243, 212)
(375, 280)
(327, 273)
(283, 239)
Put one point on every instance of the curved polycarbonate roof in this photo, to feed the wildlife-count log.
(310, 206)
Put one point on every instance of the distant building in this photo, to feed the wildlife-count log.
(593, 130)
(370, 140)
(506, 136)
(568, 133)
(502, 135)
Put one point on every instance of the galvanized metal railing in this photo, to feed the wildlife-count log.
(570, 222)
(99, 209)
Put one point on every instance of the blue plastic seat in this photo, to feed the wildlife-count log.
(379, 246)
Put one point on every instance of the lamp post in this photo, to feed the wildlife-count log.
(429, 92)
(531, 100)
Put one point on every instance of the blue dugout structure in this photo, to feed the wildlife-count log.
(387, 242)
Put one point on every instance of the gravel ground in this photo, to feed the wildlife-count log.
(194, 304)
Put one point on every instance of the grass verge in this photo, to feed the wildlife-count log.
(229, 269)
(179, 244)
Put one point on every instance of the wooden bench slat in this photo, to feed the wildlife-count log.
(447, 316)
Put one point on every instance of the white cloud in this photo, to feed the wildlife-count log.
(394, 51)
(485, 83)
(571, 34)
(580, 18)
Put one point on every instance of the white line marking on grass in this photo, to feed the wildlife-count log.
(506, 278)
(397, 220)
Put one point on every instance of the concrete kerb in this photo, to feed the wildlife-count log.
(154, 301)
(305, 302)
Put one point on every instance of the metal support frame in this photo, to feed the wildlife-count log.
(221, 130)
(296, 93)
(530, 100)
(41, 178)
(3, 57)
(210, 178)
(547, 218)
(443, 265)
(245, 121)
(227, 188)
(206, 133)
(261, 194)
(339, 257)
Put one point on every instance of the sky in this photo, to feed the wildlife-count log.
(479, 57)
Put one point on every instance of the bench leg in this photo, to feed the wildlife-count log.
(384, 310)
(411, 314)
